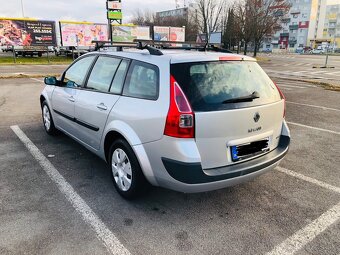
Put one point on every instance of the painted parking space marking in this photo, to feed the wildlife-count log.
(111, 242)
(305, 235)
(308, 179)
(315, 128)
(315, 106)
(34, 79)
(291, 86)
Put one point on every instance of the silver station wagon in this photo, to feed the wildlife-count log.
(186, 120)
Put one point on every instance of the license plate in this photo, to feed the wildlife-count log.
(248, 150)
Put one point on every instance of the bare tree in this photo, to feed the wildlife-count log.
(266, 16)
(209, 15)
(143, 17)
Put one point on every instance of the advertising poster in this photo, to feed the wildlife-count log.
(22, 32)
(126, 33)
(85, 32)
(215, 38)
(177, 34)
(161, 33)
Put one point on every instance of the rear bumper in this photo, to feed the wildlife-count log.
(190, 177)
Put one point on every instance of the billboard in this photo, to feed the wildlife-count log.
(215, 38)
(114, 15)
(27, 32)
(113, 5)
(127, 33)
(177, 34)
(85, 32)
(161, 33)
(174, 34)
(180, 12)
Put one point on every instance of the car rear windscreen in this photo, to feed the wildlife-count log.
(209, 86)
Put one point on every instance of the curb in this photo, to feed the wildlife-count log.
(325, 85)
(21, 75)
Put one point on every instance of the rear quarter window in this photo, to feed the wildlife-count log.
(208, 84)
(142, 81)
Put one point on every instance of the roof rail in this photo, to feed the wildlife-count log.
(120, 45)
(154, 46)
(188, 45)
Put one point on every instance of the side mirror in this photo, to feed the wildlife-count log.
(51, 81)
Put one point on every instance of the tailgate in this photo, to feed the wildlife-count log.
(235, 104)
(217, 132)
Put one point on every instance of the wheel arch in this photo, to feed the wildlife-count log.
(118, 129)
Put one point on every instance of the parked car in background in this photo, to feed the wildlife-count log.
(318, 50)
(7, 48)
(184, 120)
(267, 50)
(299, 50)
(307, 50)
(70, 50)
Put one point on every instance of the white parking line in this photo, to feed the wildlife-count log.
(308, 179)
(302, 237)
(316, 106)
(308, 233)
(291, 86)
(315, 128)
(34, 79)
(111, 242)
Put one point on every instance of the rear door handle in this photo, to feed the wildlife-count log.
(102, 106)
(71, 98)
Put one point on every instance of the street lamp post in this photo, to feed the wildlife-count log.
(22, 9)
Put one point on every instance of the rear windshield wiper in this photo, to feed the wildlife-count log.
(248, 98)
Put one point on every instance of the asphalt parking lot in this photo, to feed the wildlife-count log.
(293, 209)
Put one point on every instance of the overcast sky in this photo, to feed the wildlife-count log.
(77, 10)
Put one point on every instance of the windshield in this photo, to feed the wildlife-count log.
(208, 84)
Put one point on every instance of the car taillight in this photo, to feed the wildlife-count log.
(180, 118)
(284, 99)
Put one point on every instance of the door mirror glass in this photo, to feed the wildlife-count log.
(51, 81)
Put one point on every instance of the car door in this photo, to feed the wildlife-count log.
(64, 96)
(95, 101)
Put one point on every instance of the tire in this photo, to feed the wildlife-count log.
(127, 175)
(47, 120)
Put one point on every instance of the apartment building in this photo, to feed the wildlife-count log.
(307, 24)
(331, 26)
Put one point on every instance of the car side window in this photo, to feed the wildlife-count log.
(75, 76)
(102, 73)
(118, 81)
(142, 81)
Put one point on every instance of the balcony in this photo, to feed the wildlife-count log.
(278, 13)
(295, 11)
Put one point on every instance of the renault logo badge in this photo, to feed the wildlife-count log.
(257, 117)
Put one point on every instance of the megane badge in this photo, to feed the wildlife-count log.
(257, 117)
